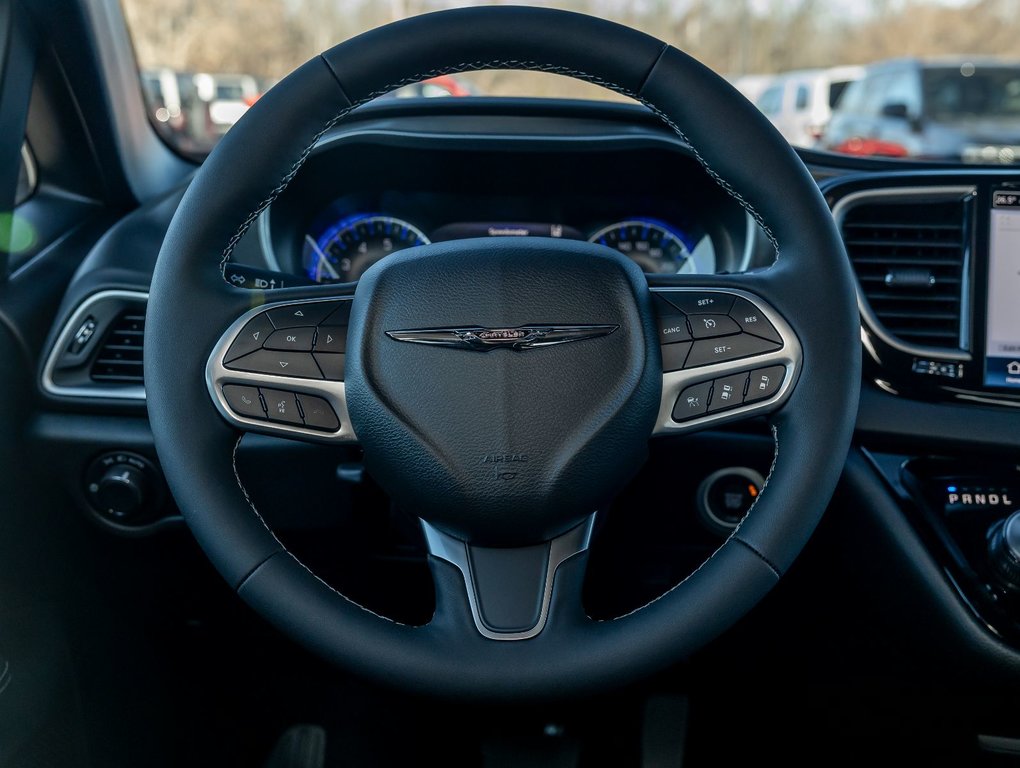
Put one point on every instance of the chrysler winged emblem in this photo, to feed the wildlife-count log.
(486, 339)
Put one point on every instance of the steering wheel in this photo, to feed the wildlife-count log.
(504, 389)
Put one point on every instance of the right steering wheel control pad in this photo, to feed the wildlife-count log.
(723, 356)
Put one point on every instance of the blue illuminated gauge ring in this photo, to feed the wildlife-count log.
(345, 250)
(655, 246)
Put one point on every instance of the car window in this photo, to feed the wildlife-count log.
(875, 90)
(803, 100)
(970, 91)
(903, 88)
(836, 89)
(202, 68)
(771, 101)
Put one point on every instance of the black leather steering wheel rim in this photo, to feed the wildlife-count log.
(190, 305)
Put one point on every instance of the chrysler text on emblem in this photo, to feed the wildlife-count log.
(487, 339)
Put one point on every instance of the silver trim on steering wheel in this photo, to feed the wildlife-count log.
(788, 355)
(334, 392)
(457, 552)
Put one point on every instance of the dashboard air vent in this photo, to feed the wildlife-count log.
(909, 254)
(119, 359)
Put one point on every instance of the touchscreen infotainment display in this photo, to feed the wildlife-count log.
(1002, 349)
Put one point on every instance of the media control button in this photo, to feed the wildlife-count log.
(752, 320)
(673, 328)
(281, 406)
(674, 355)
(318, 413)
(699, 302)
(299, 365)
(331, 338)
(244, 401)
(728, 392)
(332, 366)
(250, 338)
(708, 351)
(692, 402)
(765, 382)
(711, 326)
(291, 339)
(300, 315)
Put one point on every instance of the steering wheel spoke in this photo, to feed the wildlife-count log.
(279, 369)
(727, 354)
(509, 589)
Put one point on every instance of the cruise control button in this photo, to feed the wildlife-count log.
(299, 365)
(699, 302)
(281, 406)
(674, 355)
(250, 338)
(318, 413)
(710, 326)
(673, 328)
(244, 401)
(331, 338)
(693, 402)
(765, 382)
(752, 320)
(728, 392)
(708, 351)
(299, 315)
(332, 366)
(291, 339)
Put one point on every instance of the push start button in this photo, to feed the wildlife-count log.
(726, 496)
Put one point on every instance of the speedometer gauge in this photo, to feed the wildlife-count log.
(344, 251)
(654, 247)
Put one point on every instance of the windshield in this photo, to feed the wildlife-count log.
(908, 79)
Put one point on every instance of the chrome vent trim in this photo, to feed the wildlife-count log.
(101, 390)
(904, 195)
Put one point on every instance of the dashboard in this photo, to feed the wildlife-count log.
(362, 197)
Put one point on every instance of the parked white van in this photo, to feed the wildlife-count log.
(800, 103)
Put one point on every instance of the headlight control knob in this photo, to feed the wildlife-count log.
(121, 487)
(120, 492)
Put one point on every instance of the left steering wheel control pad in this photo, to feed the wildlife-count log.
(280, 369)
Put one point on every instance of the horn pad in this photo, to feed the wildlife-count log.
(521, 409)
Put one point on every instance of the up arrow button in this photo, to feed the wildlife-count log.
(302, 315)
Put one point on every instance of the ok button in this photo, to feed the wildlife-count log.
(291, 340)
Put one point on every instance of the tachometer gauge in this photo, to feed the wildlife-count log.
(654, 247)
(344, 251)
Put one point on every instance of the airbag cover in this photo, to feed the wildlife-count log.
(505, 446)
